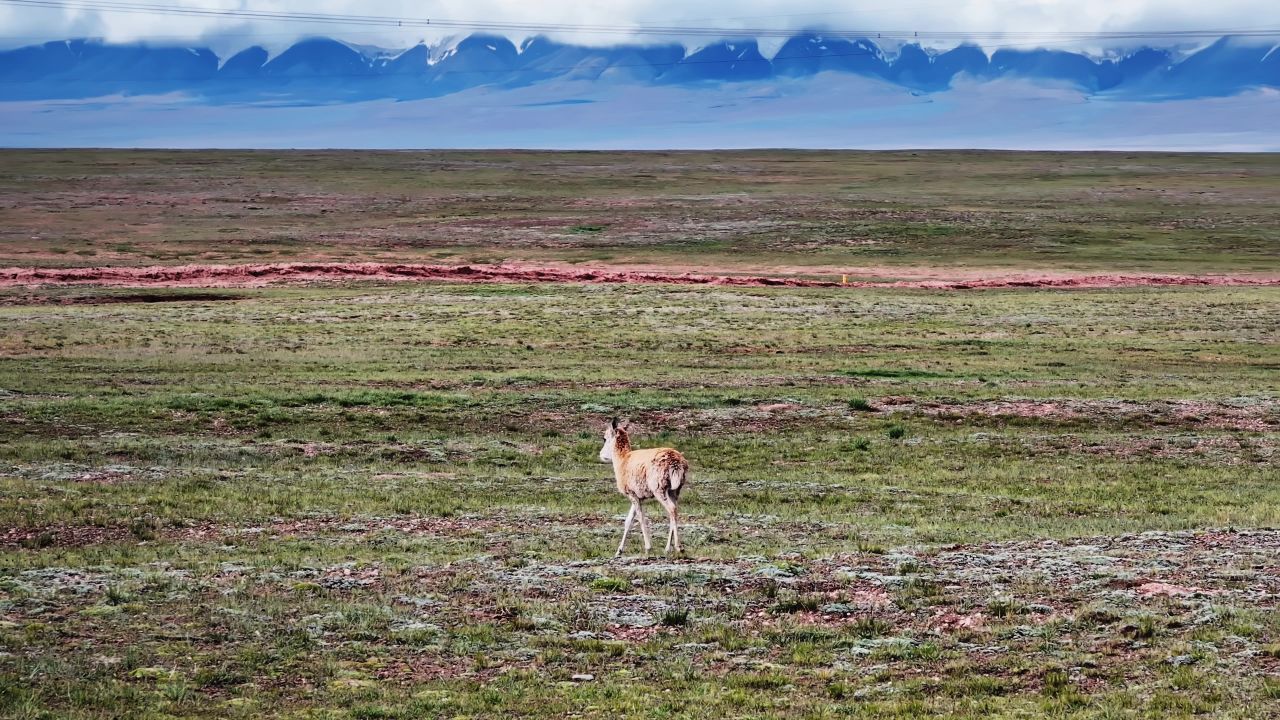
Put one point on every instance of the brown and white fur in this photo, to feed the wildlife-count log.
(658, 473)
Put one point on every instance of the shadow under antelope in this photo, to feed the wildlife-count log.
(658, 473)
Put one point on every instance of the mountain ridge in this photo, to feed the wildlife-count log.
(323, 69)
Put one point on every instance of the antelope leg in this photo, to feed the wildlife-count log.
(644, 529)
(626, 528)
(673, 531)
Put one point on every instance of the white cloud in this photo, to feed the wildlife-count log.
(24, 25)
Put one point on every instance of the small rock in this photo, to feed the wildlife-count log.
(889, 581)
(838, 609)
(345, 583)
(418, 602)
(1151, 589)
(776, 573)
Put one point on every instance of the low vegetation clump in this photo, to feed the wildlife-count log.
(675, 617)
(858, 404)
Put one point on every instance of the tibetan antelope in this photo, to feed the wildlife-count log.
(658, 473)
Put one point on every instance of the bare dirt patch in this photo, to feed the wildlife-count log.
(358, 528)
(1261, 415)
(114, 299)
(37, 538)
(79, 535)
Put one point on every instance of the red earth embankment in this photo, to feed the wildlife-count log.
(286, 273)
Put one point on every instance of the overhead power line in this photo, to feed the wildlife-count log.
(108, 6)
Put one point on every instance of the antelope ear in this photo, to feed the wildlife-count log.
(614, 424)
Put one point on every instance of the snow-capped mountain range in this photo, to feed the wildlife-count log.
(483, 91)
(324, 70)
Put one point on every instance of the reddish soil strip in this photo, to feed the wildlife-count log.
(257, 275)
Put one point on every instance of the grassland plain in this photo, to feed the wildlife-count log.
(371, 501)
(810, 212)
(382, 501)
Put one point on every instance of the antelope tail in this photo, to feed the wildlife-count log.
(676, 476)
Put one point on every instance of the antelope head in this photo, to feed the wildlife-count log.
(615, 435)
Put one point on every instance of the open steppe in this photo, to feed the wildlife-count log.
(931, 492)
